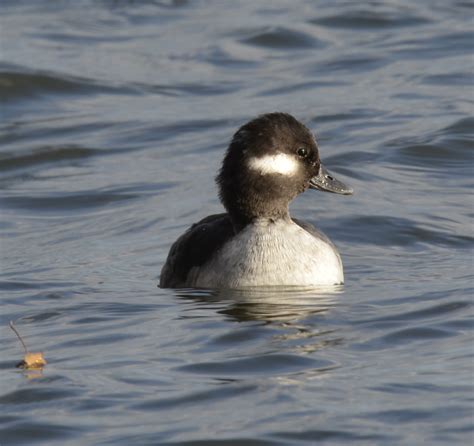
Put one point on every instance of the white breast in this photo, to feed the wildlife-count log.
(271, 253)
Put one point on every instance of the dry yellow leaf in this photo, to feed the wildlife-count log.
(31, 360)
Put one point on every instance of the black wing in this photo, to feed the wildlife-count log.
(194, 248)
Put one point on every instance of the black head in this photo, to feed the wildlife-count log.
(270, 160)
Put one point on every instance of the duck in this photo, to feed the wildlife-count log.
(256, 243)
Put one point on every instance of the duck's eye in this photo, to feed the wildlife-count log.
(302, 152)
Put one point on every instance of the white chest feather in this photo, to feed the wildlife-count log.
(268, 254)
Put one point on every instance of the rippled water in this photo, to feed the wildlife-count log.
(115, 116)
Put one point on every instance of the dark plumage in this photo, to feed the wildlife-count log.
(247, 195)
(194, 248)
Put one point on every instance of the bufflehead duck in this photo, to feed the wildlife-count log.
(270, 160)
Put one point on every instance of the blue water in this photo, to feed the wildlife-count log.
(114, 119)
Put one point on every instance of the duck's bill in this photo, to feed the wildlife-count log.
(326, 182)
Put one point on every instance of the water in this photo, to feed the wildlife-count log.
(115, 116)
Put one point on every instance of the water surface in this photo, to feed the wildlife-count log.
(115, 116)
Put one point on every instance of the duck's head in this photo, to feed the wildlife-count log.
(270, 160)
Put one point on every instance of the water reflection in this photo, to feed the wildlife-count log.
(285, 340)
(268, 304)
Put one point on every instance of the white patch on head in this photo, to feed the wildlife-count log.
(281, 163)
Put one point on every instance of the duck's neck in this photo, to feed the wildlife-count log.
(245, 215)
(248, 197)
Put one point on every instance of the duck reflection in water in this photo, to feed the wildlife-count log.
(295, 308)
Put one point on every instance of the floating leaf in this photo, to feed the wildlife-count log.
(31, 360)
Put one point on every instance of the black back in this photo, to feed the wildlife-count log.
(194, 248)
